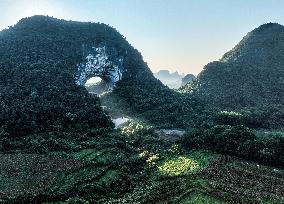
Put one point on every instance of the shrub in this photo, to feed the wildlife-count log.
(237, 141)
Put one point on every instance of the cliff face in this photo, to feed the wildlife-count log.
(101, 61)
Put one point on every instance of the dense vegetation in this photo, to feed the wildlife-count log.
(238, 141)
(58, 145)
(187, 79)
(250, 77)
(133, 165)
(38, 58)
(37, 62)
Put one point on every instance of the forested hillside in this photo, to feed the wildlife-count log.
(39, 57)
(250, 77)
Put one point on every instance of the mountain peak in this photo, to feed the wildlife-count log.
(268, 26)
(264, 41)
(38, 18)
(267, 29)
(42, 22)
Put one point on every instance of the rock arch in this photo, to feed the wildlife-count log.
(100, 61)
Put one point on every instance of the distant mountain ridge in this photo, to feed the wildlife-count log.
(172, 80)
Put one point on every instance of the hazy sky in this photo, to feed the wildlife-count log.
(182, 35)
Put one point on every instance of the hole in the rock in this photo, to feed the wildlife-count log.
(93, 80)
(97, 85)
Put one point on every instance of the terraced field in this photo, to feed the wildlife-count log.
(136, 166)
(238, 181)
(28, 174)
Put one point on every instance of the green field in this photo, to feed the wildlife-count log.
(137, 167)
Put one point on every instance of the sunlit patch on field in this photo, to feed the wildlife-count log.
(178, 166)
(133, 128)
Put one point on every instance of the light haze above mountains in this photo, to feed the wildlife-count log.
(173, 80)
